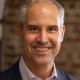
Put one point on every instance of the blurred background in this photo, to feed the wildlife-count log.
(69, 56)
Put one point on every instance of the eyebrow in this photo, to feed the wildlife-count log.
(32, 25)
(53, 26)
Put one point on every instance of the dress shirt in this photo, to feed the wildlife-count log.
(26, 74)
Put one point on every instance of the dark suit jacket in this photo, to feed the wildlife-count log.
(13, 73)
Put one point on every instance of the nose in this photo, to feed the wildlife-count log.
(42, 38)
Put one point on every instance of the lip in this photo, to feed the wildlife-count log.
(42, 49)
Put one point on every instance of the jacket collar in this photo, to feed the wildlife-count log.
(15, 72)
(60, 75)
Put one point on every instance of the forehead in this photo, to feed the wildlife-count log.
(44, 7)
(40, 5)
(40, 11)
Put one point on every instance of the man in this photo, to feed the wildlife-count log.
(41, 31)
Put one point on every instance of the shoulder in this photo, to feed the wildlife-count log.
(64, 75)
(10, 73)
(4, 75)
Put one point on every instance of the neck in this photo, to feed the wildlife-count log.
(42, 71)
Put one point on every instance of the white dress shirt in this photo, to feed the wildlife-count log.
(26, 74)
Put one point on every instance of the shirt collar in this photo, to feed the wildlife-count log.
(28, 75)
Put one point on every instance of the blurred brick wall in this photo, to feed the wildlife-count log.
(69, 56)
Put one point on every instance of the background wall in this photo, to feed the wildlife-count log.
(69, 56)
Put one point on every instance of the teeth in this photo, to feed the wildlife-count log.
(42, 49)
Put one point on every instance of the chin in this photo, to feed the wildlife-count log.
(43, 61)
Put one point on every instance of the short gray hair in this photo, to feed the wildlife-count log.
(27, 3)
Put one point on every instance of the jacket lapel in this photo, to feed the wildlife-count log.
(15, 72)
(60, 75)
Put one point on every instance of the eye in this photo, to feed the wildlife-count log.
(52, 29)
(33, 28)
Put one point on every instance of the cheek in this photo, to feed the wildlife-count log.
(56, 40)
(29, 38)
(58, 37)
(26, 42)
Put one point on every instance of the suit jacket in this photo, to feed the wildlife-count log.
(13, 73)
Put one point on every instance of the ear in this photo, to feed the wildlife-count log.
(18, 30)
(63, 32)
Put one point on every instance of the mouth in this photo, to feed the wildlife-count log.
(41, 49)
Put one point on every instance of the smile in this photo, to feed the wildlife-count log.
(42, 48)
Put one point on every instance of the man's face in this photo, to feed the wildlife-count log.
(42, 34)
